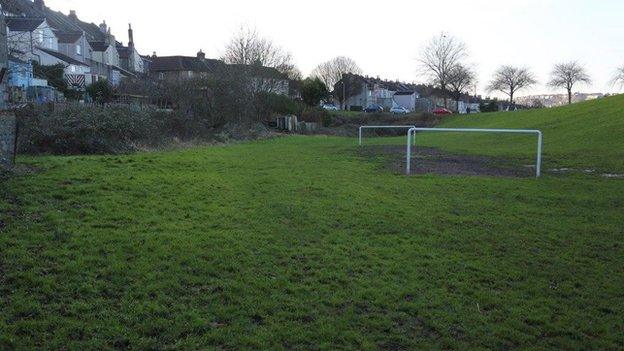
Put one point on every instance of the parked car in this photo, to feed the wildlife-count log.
(330, 107)
(373, 108)
(442, 112)
(399, 110)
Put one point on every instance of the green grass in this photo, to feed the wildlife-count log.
(584, 135)
(298, 243)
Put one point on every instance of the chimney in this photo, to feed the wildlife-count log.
(73, 16)
(154, 55)
(103, 27)
(39, 4)
(201, 55)
(130, 36)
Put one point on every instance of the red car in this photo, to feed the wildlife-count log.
(442, 112)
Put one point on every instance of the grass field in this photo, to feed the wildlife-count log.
(297, 243)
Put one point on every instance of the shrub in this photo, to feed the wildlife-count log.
(270, 104)
(317, 115)
(313, 90)
(88, 130)
(100, 92)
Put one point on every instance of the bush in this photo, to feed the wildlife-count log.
(88, 130)
(317, 115)
(313, 90)
(271, 104)
(101, 91)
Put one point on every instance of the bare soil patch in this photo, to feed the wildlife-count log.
(435, 161)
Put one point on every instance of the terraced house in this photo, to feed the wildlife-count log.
(88, 51)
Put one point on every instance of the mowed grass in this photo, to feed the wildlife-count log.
(297, 243)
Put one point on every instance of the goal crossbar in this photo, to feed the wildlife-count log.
(411, 134)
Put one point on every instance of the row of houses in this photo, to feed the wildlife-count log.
(39, 36)
(363, 91)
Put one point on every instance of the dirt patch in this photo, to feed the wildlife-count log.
(435, 161)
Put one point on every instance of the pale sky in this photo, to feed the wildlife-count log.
(384, 37)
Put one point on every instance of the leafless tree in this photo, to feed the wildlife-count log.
(566, 75)
(461, 77)
(618, 78)
(331, 72)
(247, 47)
(509, 80)
(439, 57)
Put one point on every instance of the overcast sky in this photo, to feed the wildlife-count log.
(384, 37)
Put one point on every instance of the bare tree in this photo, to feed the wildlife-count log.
(566, 75)
(247, 47)
(461, 77)
(509, 80)
(333, 71)
(439, 57)
(618, 78)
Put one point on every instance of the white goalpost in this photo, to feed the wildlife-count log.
(411, 136)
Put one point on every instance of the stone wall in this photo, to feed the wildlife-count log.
(8, 128)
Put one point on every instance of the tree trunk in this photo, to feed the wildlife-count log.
(569, 96)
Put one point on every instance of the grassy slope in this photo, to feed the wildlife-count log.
(587, 135)
(296, 243)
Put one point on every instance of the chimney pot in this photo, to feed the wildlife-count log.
(39, 4)
(103, 27)
(130, 35)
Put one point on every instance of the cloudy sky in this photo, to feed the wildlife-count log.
(384, 37)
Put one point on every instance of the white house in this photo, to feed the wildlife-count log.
(363, 91)
(26, 34)
(406, 99)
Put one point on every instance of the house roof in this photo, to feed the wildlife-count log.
(62, 57)
(183, 63)
(20, 8)
(124, 72)
(405, 93)
(99, 46)
(124, 51)
(390, 85)
(56, 19)
(23, 24)
(68, 37)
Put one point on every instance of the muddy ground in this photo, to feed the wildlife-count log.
(435, 161)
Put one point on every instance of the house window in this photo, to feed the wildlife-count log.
(39, 36)
(73, 68)
(161, 76)
(78, 50)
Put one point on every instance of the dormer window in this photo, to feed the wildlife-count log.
(39, 36)
(78, 49)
